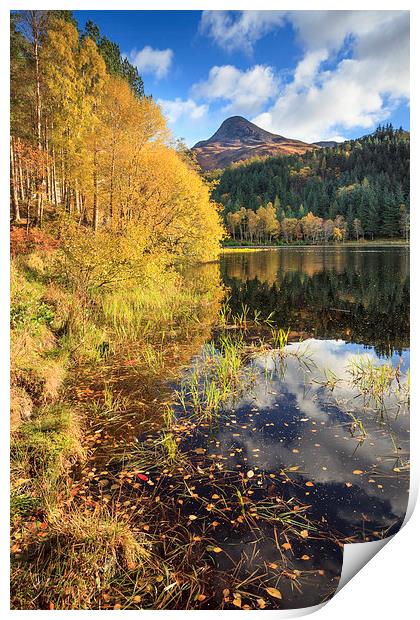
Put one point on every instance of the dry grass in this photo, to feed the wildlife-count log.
(79, 558)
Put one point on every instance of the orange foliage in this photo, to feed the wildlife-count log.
(23, 242)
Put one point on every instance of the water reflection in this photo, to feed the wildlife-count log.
(361, 296)
(297, 437)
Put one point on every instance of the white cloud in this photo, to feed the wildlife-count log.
(243, 91)
(154, 61)
(239, 30)
(362, 88)
(177, 108)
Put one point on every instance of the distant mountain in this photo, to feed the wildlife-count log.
(326, 144)
(238, 139)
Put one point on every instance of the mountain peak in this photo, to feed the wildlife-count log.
(239, 129)
(237, 139)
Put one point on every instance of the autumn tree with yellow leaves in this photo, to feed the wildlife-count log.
(87, 147)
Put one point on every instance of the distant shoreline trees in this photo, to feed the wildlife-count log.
(262, 226)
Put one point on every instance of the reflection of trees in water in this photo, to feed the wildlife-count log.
(306, 290)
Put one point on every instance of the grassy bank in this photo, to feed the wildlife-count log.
(87, 364)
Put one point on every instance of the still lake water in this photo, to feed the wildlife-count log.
(301, 431)
(342, 303)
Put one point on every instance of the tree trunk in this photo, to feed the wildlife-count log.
(20, 174)
(54, 179)
(95, 189)
(76, 198)
(36, 37)
(13, 185)
(111, 190)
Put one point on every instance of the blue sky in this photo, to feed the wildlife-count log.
(311, 75)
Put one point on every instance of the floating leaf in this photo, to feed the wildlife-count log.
(304, 533)
(272, 565)
(305, 557)
(357, 472)
(309, 484)
(143, 477)
(274, 592)
(192, 517)
(201, 597)
(250, 473)
(286, 546)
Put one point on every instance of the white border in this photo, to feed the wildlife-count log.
(384, 588)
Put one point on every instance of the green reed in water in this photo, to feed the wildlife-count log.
(375, 382)
(215, 378)
(242, 319)
(280, 338)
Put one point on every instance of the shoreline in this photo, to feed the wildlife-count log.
(349, 244)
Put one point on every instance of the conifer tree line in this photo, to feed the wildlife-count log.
(358, 189)
(87, 143)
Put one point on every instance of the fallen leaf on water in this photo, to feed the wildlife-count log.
(201, 597)
(274, 592)
(237, 601)
(200, 451)
(286, 546)
(305, 557)
(309, 484)
(250, 473)
(304, 533)
(143, 477)
(357, 472)
(349, 484)
(192, 517)
(261, 603)
(272, 565)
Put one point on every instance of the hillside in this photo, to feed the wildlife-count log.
(237, 139)
(365, 180)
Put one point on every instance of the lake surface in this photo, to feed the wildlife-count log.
(358, 295)
(305, 431)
